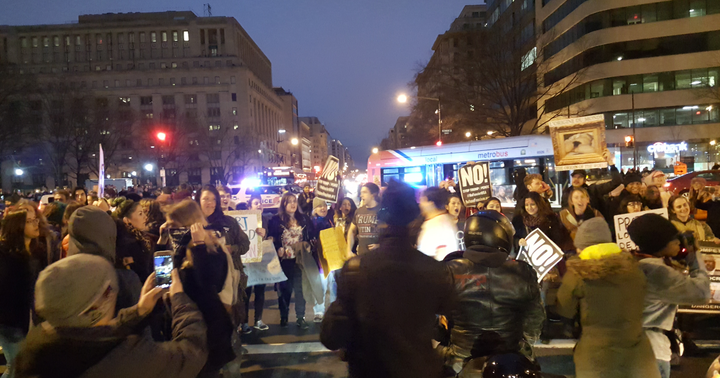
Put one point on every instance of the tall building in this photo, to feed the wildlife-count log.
(289, 145)
(648, 63)
(341, 152)
(201, 80)
(305, 146)
(319, 137)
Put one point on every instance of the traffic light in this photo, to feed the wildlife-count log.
(161, 136)
(629, 141)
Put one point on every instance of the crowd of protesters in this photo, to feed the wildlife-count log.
(79, 295)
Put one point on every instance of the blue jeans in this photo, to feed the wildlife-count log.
(664, 367)
(10, 339)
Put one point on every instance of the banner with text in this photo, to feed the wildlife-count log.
(711, 259)
(333, 248)
(328, 184)
(249, 221)
(622, 221)
(474, 182)
(541, 253)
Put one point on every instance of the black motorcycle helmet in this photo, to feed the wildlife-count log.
(509, 365)
(490, 229)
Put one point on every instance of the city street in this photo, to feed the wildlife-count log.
(289, 352)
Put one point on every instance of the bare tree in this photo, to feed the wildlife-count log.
(228, 150)
(16, 117)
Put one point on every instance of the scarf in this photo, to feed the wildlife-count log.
(539, 221)
(140, 236)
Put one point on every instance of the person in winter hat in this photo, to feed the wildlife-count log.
(609, 286)
(388, 299)
(94, 232)
(667, 286)
(80, 336)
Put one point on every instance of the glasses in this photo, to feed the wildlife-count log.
(32, 221)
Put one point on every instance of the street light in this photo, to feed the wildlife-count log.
(161, 136)
(403, 99)
(294, 141)
(133, 173)
(490, 132)
(712, 142)
(281, 131)
(148, 167)
(19, 172)
(375, 150)
(468, 134)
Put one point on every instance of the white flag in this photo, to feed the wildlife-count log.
(101, 173)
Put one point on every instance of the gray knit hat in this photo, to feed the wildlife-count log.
(76, 291)
(317, 202)
(92, 231)
(592, 232)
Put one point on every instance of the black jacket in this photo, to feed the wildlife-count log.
(18, 273)
(553, 229)
(236, 240)
(494, 294)
(713, 214)
(597, 191)
(128, 246)
(384, 315)
(305, 202)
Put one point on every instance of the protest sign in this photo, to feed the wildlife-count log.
(711, 259)
(579, 143)
(622, 221)
(541, 253)
(474, 182)
(249, 221)
(334, 249)
(328, 184)
(268, 269)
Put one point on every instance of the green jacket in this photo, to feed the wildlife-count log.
(608, 288)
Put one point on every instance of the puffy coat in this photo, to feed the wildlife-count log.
(609, 292)
(493, 294)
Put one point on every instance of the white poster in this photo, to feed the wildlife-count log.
(249, 221)
(541, 253)
(101, 173)
(622, 221)
(268, 270)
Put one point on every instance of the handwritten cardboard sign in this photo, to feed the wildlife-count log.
(249, 221)
(622, 221)
(541, 253)
(268, 269)
(474, 182)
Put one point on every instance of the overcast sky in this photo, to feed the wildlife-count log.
(345, 61)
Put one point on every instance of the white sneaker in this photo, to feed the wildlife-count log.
(260, 326)
(318, 318)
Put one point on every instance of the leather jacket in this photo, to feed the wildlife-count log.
(494, 294)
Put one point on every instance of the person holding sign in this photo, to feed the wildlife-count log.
(667, 287)
(259, 290)
(609, 287)
(438, 234)
(537, 213)
(679, 210)
(494, 293)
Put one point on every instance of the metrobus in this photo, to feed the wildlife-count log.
(427, 166)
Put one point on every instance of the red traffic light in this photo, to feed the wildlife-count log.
(438, 143)
(161, 136)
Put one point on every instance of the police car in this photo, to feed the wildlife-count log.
(270, 194)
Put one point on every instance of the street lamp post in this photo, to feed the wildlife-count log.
(403, 99)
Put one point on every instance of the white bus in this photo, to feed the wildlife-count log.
(427, 166)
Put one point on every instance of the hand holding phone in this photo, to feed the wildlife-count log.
(163, 268)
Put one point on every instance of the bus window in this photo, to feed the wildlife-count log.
(498, 174)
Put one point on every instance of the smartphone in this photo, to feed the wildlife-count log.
(163, 268)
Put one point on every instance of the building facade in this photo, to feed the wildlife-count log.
(649, 64)
(200, 80)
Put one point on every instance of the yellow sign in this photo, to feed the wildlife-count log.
(333, 248)
(680, 168)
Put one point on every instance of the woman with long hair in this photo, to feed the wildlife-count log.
(290, 230)
(493, 203)
(578, 210)
(46, 246)
(535, 212)
(18, 273)
(134, 248)
(205, 270)
(255, 203)
(237, 242)
(155, 216)
(345, 214)
(681, 216)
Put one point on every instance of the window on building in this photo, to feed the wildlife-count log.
(153, 37)
(619, 86)
(138, 83)
(234, 97)
(190, 99)
(234, 111)
(206, 80)
(194, 80)
(232, 80)
(183, 81)
(213, 98)
(650, 83)
(106, 83)
(186, 36)
(213, 112)
(34, 41)
(123, 101)
(217, 79)
(683, 79)
(146, 100)
(164, 36)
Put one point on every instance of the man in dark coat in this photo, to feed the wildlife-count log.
(387, 302)
(494, 293)
(595, 191)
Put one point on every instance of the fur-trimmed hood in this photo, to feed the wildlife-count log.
(609, 265)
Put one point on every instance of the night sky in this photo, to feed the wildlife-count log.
(345, 61)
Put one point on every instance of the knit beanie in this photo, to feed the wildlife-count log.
(651, 233)
(76, 291)
(631, 178)
(317, 202)
(92, 231)
(592, 232)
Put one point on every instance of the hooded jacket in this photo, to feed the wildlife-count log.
(116, 351)
(384, 315)
(493, 294)
(94, 232)
(608, 288)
